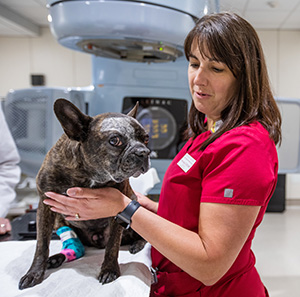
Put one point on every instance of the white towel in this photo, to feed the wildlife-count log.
(145, 182)
(77, 278)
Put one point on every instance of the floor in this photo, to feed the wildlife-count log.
(277, 249)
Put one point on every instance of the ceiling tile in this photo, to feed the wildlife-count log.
(237, 6)
(279, 5)
(261, 20)
(293, 21)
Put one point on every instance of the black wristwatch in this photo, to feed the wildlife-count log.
(124, 218)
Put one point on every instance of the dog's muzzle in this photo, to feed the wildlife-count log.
(137, 160)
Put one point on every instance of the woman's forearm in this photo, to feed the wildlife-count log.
(182, 247)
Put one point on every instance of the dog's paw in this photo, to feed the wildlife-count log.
(31, 279)
(137, 246)
(108, 275)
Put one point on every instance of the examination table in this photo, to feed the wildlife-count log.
(76, 278)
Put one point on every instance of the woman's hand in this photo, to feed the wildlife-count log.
(146, 202)
(87, 204)
(5, 226)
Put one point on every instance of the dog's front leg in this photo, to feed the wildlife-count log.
(45, 222)
(110, 269)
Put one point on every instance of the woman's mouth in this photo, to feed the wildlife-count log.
(202, 95)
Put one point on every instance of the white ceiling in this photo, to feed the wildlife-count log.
(25, 17)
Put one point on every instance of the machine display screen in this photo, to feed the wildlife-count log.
(156, 128)
(163, 119)
(160, 125)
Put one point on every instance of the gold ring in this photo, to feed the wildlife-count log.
(2, 225)
(77, 216)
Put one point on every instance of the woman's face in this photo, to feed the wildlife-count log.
(211, 83)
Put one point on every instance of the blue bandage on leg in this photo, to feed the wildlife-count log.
(72, 247)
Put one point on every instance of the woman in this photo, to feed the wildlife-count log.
(216, 190)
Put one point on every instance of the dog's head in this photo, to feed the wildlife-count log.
(113, 145)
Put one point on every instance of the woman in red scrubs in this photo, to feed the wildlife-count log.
(216, 190)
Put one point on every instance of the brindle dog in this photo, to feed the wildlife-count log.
(94, 152)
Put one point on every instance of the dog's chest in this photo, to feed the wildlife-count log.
(93, 232)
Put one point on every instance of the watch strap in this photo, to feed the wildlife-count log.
(124, 217)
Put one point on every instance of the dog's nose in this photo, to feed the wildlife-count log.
(143, 152)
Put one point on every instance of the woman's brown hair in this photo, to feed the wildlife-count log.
(230, 39)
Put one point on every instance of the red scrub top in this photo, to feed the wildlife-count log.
(240, 167)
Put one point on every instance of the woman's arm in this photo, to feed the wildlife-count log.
(206, 255)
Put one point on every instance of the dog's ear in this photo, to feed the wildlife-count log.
(72, 120)
(133, 111)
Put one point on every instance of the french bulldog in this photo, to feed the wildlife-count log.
(94, 152)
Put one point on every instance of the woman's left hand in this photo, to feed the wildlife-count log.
(87, 204)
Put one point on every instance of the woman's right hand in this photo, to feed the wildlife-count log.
(146, 202)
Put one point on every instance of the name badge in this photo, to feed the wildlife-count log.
(186, 162)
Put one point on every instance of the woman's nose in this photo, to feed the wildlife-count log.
(201, 77)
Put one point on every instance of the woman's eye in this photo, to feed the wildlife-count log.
(218, 70)
(115, 141)
(194, 65)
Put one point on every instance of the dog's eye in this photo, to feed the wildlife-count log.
(146, 139)
(115, 141)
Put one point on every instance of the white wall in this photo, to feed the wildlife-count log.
(20, 57)
(282, 51)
